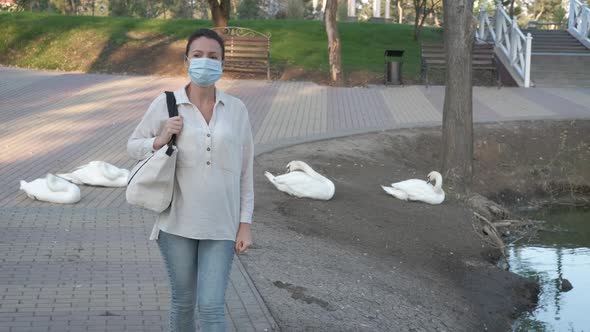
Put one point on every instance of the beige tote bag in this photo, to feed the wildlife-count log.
(151, 181)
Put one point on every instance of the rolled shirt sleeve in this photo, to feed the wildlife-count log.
(141, 142)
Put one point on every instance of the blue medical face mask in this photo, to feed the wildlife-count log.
(204, 72)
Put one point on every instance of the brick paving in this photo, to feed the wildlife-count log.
(89, 266)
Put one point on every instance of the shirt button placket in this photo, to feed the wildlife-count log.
(208, 141)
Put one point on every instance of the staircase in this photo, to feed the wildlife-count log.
(558, 60)
(556, 41)
(547, 58)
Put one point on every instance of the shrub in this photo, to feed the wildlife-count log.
(249, 9)
(8, 7)
(295, 9)
(281, 15)
(342, 13)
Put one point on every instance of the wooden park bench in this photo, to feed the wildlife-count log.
(246, 50)
(433, 56)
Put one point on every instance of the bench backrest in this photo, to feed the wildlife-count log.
(244, 44)
(480, 52)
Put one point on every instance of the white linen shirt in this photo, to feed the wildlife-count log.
(213, 186)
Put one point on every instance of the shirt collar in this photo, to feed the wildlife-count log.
(182, 97)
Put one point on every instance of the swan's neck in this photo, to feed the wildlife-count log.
(55, 184)
(438, 183)
(309, 171)
(110, 172)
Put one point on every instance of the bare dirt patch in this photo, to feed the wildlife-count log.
(534, 163)
(143, 55)
(365, 261)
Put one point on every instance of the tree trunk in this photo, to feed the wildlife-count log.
(422, 12)
(74, 9)
(436, 21)
(400, 12)
(540, 13)
(220, 12)
(333, 42)
(418, 27)
(418, 14)
(425, 13)
(457, 136)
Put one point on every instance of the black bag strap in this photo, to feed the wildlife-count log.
(172, 112)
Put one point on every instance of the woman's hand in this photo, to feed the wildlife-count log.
(173, 126)
(244, 238)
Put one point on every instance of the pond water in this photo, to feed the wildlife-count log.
(560, 250)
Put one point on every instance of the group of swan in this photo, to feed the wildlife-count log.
(302, 181)
(62, 188)
(299, 181)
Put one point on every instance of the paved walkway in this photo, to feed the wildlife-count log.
(89, 266)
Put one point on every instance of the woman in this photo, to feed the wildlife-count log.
(213, 199)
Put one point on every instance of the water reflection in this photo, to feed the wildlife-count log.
(561, 251)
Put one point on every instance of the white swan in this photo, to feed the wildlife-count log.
(98, 173)
(419, 190)
(51, 189)
(302, 181)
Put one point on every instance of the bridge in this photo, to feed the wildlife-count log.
(540, 57)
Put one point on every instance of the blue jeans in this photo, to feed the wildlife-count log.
(199, 273)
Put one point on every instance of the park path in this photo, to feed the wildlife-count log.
(89, 266)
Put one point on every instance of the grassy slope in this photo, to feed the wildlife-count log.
(77, 42)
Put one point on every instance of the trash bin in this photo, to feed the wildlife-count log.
(393, 66)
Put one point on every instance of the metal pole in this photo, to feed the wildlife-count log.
(482, 29)
(583, 29)
(351, 8)
(527, 65)
(513, 41)
(571, 23)
(376, 8)
(498, 20)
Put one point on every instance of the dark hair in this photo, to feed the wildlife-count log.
(207, 33)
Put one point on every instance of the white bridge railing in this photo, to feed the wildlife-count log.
(578, 24)
(511, 45)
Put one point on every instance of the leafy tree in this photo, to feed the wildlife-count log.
(543, 10)
(514, 9)
(179, 8)
(249, 10)
(423, 9)
(342, 13)
(220, 10)
(295, 9)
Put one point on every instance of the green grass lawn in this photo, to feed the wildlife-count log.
(47, 41)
